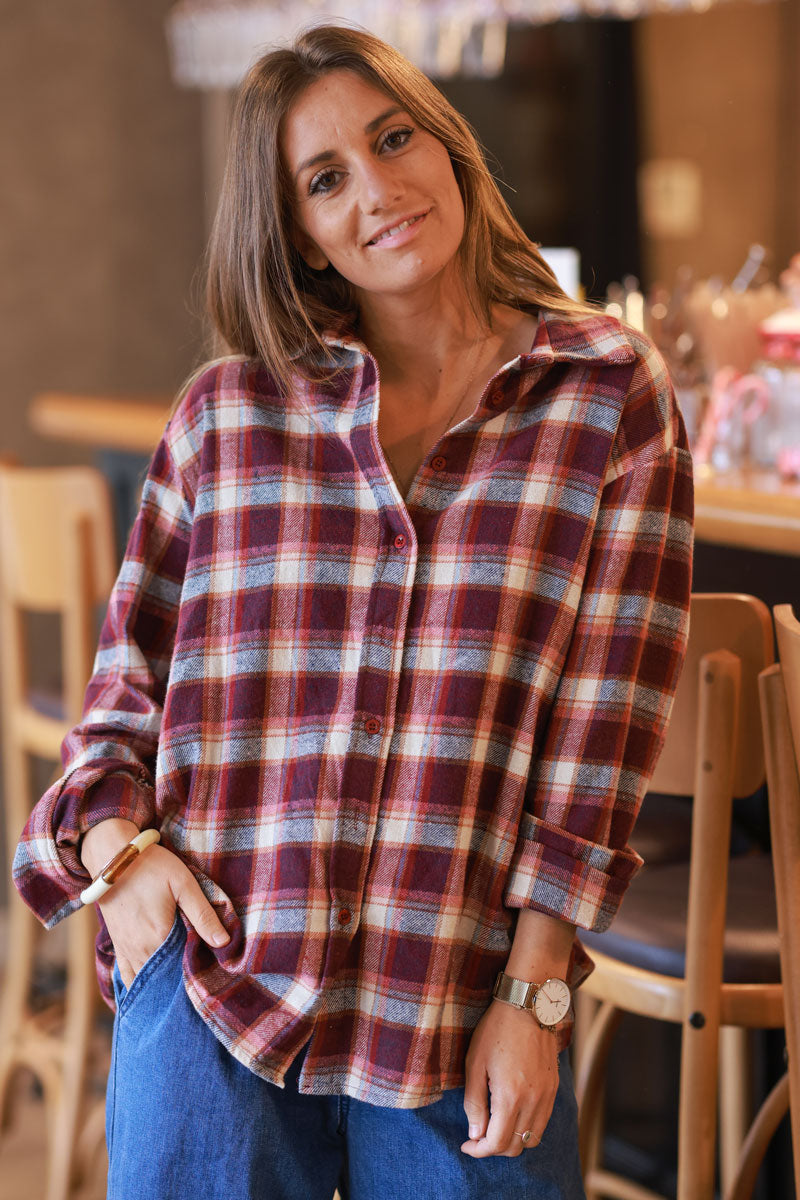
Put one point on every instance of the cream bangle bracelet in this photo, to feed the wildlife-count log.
(116, 866)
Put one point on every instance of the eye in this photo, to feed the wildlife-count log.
(393, 139)
(324, 181)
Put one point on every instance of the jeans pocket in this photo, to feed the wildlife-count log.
(125, 996)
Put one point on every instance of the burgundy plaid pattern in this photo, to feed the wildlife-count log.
(375, 729)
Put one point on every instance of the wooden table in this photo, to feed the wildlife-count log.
(130, 423)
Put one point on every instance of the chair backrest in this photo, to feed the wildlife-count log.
(56, 555)
(40, 510)
(780, 704)
(787, 629)
(740, 624)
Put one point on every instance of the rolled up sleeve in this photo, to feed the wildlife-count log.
(612, 702)
(109, 757)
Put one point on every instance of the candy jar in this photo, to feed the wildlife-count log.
(777, 431)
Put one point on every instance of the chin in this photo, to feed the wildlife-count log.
(402, 282)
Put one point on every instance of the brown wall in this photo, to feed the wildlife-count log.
(101, 208)
(720, 89)
(101, 220)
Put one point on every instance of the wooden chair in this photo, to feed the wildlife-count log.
(56, 556)
(779, 686)
(672, 953)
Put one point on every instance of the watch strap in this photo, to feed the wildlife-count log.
(518, 992)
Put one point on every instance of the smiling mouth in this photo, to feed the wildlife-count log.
(387, 233)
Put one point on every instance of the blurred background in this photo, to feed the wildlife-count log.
(649, 145)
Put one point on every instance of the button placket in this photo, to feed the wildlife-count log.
(379, 661)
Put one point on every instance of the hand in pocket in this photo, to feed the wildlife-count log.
(139, 911)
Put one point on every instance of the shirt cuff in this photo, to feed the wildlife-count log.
(559, 873)
(47, 869)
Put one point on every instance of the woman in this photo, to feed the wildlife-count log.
(387, 665)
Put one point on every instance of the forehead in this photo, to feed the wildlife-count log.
(337, 105)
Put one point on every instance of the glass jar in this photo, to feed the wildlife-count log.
(778, 429)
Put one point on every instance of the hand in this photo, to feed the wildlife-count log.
(517, 1061)
(140, 909)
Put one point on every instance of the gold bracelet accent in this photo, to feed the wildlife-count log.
(118, 865)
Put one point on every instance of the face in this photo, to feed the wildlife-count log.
(374, 193)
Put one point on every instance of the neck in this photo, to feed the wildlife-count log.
(421, 338)
(420, 335)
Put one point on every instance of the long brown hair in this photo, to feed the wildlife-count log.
(264, 299)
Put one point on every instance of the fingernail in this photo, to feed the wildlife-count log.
(220, 939)
(474, 1131)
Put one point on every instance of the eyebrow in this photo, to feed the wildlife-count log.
(326, 155)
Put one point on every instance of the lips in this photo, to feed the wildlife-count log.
(393, 230)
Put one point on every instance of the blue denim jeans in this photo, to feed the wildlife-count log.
(185, 1119)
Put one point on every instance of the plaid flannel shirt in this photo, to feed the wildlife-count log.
(375, 728)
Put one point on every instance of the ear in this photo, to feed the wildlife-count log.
(308, 249)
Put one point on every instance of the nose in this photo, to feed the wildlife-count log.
(381, 186)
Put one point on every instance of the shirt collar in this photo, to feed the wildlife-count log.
(594, 337)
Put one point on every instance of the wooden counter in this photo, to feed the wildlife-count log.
(753, 509)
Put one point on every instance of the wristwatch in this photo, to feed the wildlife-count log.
(548, 1002)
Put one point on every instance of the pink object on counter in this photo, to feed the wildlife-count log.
(789, 462)
(780, 335)
(728, 400)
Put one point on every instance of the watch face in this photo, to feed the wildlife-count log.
(551, 1002)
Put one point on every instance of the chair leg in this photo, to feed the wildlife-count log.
(734, 1099)
(592, 1153)
(697, 1122)
(78, 1020)
(91, 1149)
(55, 1049)
(718, 695)
(768, 1118)
(586, 1009)
(590, 1083)
(22, 936)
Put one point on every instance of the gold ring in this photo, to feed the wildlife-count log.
(526, 1136)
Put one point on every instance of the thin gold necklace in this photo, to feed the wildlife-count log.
(462, 397)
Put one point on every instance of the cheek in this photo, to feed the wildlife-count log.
(455, 211)
(333, 232)
(458, 207)
(451, 194)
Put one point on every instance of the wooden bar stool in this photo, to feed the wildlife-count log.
(694, 944)
(779, 686)
(56, 556)
(785, 820)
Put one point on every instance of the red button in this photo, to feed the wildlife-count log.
(400, 541)
(372, 725)
(344, 916)
(439, 462)
(494, 401)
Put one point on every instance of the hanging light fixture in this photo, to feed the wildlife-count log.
(213, 42)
